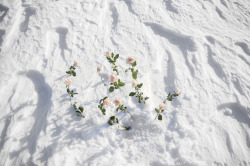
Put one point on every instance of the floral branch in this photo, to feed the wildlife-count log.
(71, 93)
(170, 97)
(72, 69)
(138, 94)
(111, 57)
(114, 84)
(102, 102)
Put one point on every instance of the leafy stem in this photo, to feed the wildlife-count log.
(116, 85)
(113, 119)
(133, 71)
(101, 105)
(71, 71)
(78, 110)
(112, 59)
(138, 94)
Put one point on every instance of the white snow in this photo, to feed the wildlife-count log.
(201, 47)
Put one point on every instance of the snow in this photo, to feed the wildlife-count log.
(201, 47)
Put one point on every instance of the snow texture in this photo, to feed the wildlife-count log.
(201, 47)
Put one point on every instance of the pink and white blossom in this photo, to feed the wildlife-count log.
(107, 102)
(130, 60)
(117, 102)
(99, 68)
(162, 105)
(134, 83)
(68, 81)
(177, 91)
(107, 53)
(75, 64)
(112, 78)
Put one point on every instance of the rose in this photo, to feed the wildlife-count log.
(177, 91)
(107, 53)
(134, 83)
(162, 105)
(117, 102)
(130, 60)
(75, 64)
(68, 81)
(112, 78)
(107, 102)
(99, 69)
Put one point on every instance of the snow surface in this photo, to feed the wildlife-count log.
(200, 46)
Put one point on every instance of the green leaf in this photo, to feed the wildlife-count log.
(159, 117)
(134, 75)
(81, 109)
(121, 83)
(140, 85)
(132, 94)
(116, 56)
(112, 55)
(134, 64)
(111, 89)
(126, 70)
(146, 98)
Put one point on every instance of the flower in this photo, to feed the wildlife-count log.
(99, 69)
(68, 81)
(75, 64)
(177, 91)
(130, 60)
(134, 83)
(107, 53)
(107, 102)
(162, 105)
(117, 102)
(112, 78)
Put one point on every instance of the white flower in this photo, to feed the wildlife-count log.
(177, 91)
(134, 83)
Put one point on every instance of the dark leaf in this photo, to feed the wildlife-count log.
(159, 117)
(134, 64)
(132, 94)
(111, 89)
(140, 85)
(116, 56)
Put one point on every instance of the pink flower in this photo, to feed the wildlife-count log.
(162, 105)
(112, 78)
(130, 60)
(107, 53)
(107, 102)
(134, 83)
(177, 91)
(117, 102)
(99, 68)
(68, 81)
(75, 64)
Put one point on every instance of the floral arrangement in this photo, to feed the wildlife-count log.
(114, 84)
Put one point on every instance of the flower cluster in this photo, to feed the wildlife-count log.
(116, 83)
(170, 97)
(79, 110)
